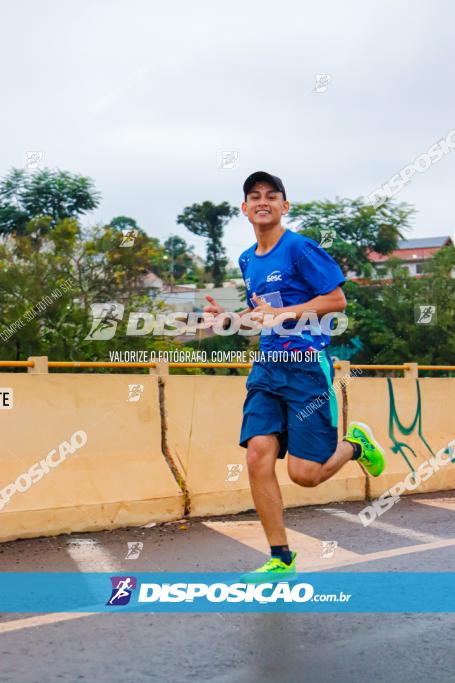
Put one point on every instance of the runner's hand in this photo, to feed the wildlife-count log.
(214, 307)
(261, 309)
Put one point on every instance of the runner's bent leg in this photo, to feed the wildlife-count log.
(344, 452)
(309, 473)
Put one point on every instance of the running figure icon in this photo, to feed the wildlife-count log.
(122, 587)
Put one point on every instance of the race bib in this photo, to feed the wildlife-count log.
(273, 299)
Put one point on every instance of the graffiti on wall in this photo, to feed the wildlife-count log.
(398, 430)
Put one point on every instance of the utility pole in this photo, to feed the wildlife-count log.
(171, 274)
(172, 262)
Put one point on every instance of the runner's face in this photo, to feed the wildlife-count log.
(264, 205)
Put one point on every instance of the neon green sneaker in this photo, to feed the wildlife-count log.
(272, 571)
(372, 456)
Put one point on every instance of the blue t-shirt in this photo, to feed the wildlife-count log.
(296, 270)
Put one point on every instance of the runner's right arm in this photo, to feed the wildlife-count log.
(216, 309)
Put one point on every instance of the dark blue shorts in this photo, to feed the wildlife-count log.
(294, 401)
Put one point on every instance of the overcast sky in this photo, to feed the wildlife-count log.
(142, 95)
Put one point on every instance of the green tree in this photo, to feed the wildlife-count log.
(357, 229)
(125, 228)
(179, 257)
(208, 220)
(385, 314)
(48, 194)
(125, 223)
(197, 275)
(108, 269)
(39, 311)
(47, 292)
(52, 271)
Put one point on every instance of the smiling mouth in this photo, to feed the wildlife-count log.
(264, 212)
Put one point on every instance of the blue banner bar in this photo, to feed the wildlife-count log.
(225, 592)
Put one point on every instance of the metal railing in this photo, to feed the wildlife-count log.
(31, 363)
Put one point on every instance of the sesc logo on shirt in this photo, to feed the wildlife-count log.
(275, 276)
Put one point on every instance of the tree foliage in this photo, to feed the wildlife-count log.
(209, 220)
(180, 258)
(357, 228)
(52, 195)
(52, 271)
(385, 314)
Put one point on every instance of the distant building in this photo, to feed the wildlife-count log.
(179, 297)
(186, 297)
(152, 283)
(234, 282)
(228, 296)
(412, 253)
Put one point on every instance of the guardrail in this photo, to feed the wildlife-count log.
(17, 364)
(41, 364)
(168, 435)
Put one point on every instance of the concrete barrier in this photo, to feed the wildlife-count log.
(203, 416)
(413, 420)
(118, 478)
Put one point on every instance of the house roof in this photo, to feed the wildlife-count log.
(410, 250)
(424, 242)
(175, 289)
(152, 280)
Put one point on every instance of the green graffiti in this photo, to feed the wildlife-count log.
(394, 421)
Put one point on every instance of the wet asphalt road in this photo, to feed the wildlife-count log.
(308, 648)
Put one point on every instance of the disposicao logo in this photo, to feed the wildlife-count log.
(122, 587)
(223, 592)
(203, 593)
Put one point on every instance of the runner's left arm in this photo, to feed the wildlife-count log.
(333, 302)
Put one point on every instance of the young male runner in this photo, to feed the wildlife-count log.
(285, 272)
